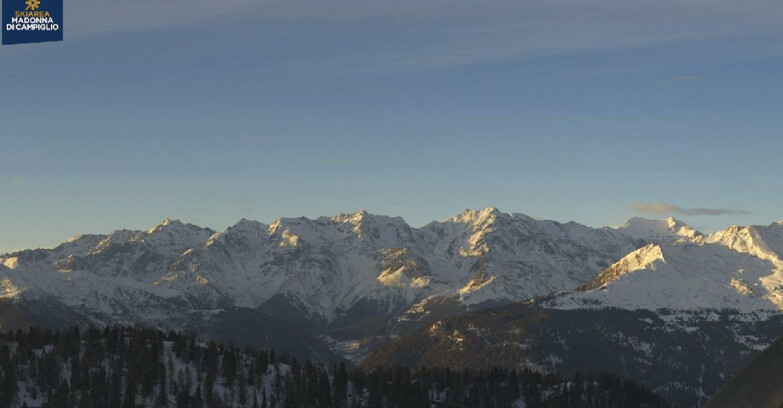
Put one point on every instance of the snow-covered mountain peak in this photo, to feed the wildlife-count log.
(245, 224)
(646, 224)
(647, 229)
(325, 270)
(174, 234)
(363, 219)
(79, 244)
(245, 234)
(478, 217)
(359, 222)
(355, 218)
(469, 231)
(380, 230)
(175, 228)
(491, 219)
(245, 229)
(163, 224)
(704, 274)
(116, 237)
(762, 242)
(639, 259)
(74, 238)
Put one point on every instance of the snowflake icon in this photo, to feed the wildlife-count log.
(32, 4)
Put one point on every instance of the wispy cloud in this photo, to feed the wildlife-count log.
(663, 208)
(17, 182)
(422, 34)
(189, 211)
(242, 201)
(682, 78)
(674, 175)
(508, 27)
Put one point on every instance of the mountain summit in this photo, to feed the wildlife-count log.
(339, 277)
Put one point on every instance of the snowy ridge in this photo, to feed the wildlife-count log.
(323, 267)
(738, 268)
(516, 257)
(646, 229)
(332, 272)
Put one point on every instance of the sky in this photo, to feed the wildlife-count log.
(211, 111)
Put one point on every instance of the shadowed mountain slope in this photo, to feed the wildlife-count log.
(759, 385)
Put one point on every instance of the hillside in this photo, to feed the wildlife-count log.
(126, 367)
(684, 356)
(758, 385)
(679, 315)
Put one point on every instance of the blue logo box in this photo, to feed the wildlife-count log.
(32, 21)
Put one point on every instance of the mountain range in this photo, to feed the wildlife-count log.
(321, 276)
(354, 284)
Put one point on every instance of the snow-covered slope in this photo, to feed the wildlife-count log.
(738, 268)
(657, 230)
(335, 272)
(342, 268)
(491, 256)
(679, 312)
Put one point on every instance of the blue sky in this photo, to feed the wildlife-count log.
(209, 112)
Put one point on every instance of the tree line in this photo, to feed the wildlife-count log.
(129, 367)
